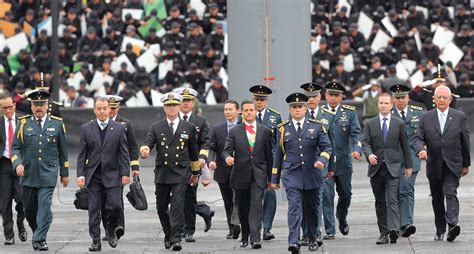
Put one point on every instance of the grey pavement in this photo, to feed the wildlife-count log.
(69, 231)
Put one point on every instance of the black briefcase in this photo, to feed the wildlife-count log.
(82, 199)
(136, 195)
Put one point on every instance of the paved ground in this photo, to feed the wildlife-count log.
(69, 231)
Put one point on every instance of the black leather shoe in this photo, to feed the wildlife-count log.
(304, 241)
(294, 248)
(177, 246)
(256, 245)
(313, 246)
(267, 235)
(235, 232)
(228, 236)
(10, 241)
(453, 233)
(95, 246)
(167, 244)
(43, 246)
(35, 245)
(383, 239)
(105, 238)
(119, 232)
(209, 222)
(328, 237)
(344, 228)
(113, 241)
(189, 238)
(319, 241)
(439, 237)
(244, 244)
(23, 235)
(408, 230)
(393, 235)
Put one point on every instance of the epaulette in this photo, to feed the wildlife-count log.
(57, 103)
(24, 117)
(284, 123)
(274, 111)
(328, 111)
(416, 107)
(56, 118)
(315, 121)
(349, 107)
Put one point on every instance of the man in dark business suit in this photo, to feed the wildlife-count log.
(383, 138)
(221, 169)
(103, 165)
(443, 141)
(177, 165)
(10, 188)
(248, 148)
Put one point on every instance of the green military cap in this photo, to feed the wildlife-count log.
(260, 91)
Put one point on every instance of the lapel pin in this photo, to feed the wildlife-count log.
(111, 128)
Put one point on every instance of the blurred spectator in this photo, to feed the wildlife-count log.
(173, 79)
(216, 38)
(193, 55)
(43, 41)
(218, 90)
(174, 17)
(339, 74)
(72, 98)
(196, 37)
(70, 43)
(466, 67)
(414, 17)
(324, 53)
(376, 72)
(342, 18)
(212, 17)
(391, 79)
(464, 37)
(465, 88)
(430, 51)
(73, 23)
(90, 40)
(356, 38)
(370, 95)
(318, 71)
(43, 61)
(152, 38)
(122, 77)
(195, 78)
(175, 36)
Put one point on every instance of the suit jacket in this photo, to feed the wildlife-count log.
(132, 141)
(246, 164)
(216, 147)
(389, 151)
(203, 131)
(450, 147)
(177, 154)
(112, 155)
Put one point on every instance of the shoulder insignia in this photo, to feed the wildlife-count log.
(328, 111)
(24, 117)
(416, 107)
(315, 121)
(56, 118)
(274, 111)
(349, 107)
(284, 123)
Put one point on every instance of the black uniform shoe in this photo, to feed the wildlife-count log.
(408, 230)
(294, 248)
(256, 245)
(453, 233)
(344, 228)
(189, 238)
(319, 241)
(167, 243)
(119, 232)
(313, 246)
(304, 241)
(209, 222)
(95, 246)
(267, 235)
(23, 235)
(235, 232)
(35, 245)
(105, 238)
(328, 237)
(244, 244)
(9, 241)
(439, 237)
(177, 246)
(393, 235)
(43, 246)
(113, 241)
(383, 239)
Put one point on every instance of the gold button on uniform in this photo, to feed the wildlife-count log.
(39, 151)
(39, 158)
(166, 163)
(166, 155)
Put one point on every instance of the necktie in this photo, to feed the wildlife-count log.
(333, 110)
(403, 115)
(10, 137)
(259, 119)
(442, 122)
(384, 129)
(171, 127)
(231, 126)
(298, 129)
(185, 117)
(39, 123)
(312, 114)
(103, 125)
(251, 131)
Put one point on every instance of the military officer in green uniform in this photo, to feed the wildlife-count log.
(271, 119)
(39, 152)
(411, 115)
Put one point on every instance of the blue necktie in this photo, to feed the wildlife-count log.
(442, 122)
(384, 129)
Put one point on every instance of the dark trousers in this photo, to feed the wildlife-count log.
(121, 218)
(445, 188)
(37, 203)
(250, 211)
(344, 191)
(172, 219)
(228, 197)
(191, 208)
(296, 198)
(386, 189)
(10, 190)
(98, 196)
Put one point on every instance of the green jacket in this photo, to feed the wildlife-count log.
(42, 151)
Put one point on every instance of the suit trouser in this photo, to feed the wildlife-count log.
(121, 218)
(344, 191)
(320, 210)
(98, 195)
(445, 188)
(37, 203)
(172, 219)
(191, 208)
(250, 211)
(386, 188)
(228, 197)
(407, 199)
(10, 190)
(296, 198)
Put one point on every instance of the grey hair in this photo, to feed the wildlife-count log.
(442, 87)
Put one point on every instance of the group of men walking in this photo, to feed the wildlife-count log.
(251, 153)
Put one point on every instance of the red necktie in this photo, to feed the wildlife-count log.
(10, 137)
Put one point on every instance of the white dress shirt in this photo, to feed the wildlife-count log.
(262, 112)
(175, 123)
(6, 152)
(336, 108)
